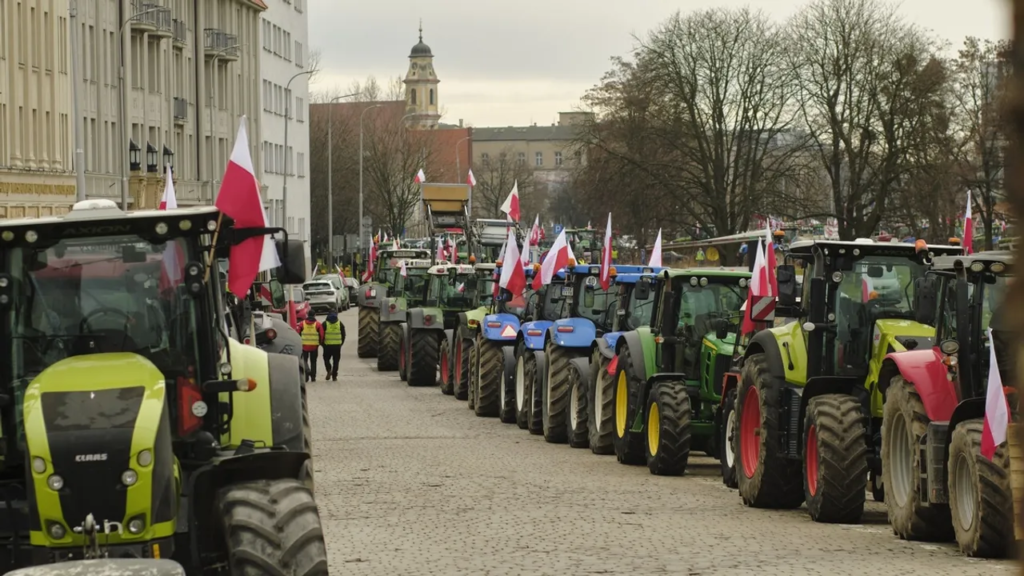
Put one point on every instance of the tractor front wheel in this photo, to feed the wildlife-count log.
(904, 424)
(537, 387)
(576, 411)
(388, 346)
(629, 446)
(489, 378)
(507, 409)
(726, 452)
(474, 370)
(979, 494)
(668, 429)
(369, 318)
(444, 354)
(460, 368)
(272, 527)
(835, 459)
(403, 356)
(556, 393)
(423, 346)
(767, 479)
(524, 385)
(601, 407)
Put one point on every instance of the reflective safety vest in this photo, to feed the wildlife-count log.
(332, 334)
(310, 335)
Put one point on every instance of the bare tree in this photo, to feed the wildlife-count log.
(371, 90)
(394, 154)
(494, 180)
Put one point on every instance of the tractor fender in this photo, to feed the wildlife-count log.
(582, 332)
(606, 345)
(636, 352)
(286, 342)
(285, 401)
(389, 315)
(449, 338)
(509, 362)
(533, 333)
(820, 385)
(206, 482)
(417, 319)
(582, 366)
(371, 295)
(966, 410)
(765, 342)
(506, 321)
(462, 326)
(925, 371)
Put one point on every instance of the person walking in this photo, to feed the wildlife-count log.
(312, 337)
(334, 337)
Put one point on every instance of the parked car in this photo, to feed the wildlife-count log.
(347, 297)
(323, 296)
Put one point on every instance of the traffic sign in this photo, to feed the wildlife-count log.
(558, 229)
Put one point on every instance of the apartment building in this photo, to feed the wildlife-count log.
(284, 95)
(188, 76)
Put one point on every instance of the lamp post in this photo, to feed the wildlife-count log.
(125, 131)
(330, 174)
(213, 85)
(458, 170)
(287, 113)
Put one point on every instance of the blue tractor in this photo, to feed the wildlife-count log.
(542, 308)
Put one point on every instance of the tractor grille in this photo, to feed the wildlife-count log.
(90, 438)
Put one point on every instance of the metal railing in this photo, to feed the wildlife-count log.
(215, 40)
(180, 109)
(180, 30)
(151, 14)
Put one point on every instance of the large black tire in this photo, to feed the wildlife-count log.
(727, 430)
(767, 479)
(556, 393)
(368, 320)
(576, 411)
(877, 488)
(272, 528)
(507, 411)
(979, 494)
(445, 358)
(403, 356)
(388, 346)
(904, 424)
(307, 439)
(490, 374)
(835, 459)
(423, 357)
(668, 429)
(601, 407)
(460, 368)
(537, 386)
(629, 446)
(525, 369)
(474, 369)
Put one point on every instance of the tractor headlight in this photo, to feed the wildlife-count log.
(145, 458)
(161, 228)
(977, 266)
(55, 482)
(225, 368)
(38, 465)
(129, 477)
(57, 530)
(837, 277)
(136, 525)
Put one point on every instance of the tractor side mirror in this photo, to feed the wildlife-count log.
(926, 296)
(721, 327)
(788, 290)
(293, 262)
(643, 289)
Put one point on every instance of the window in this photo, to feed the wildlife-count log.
(288, 103)
(298, 5)
(431, 96)
(266, 35)
(485, 159)
(301, 165)
(289, 165)
(302, 228)
(300, 106)
(287, 46)
(558, 158)
(521, 159)
(538, 159)
(412, 96)
(298, 54)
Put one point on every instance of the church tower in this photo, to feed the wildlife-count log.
(421, 83)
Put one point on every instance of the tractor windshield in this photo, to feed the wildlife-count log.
(412, 286)
(639, 312)
(700, 305)
(590, 301)
(554, 295)
(450, 290)
(96, 295)
(485, 289)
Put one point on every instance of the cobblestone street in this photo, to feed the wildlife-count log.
(410, 482)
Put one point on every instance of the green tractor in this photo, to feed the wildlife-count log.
(408, 282)
(449, 292)
(373, 292)
(455, 351)
(670, 375)
(134, 423)
(808, 397)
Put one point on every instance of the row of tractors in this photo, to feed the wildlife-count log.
(871, 376)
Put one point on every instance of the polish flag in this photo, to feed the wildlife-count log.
(453, 250)
(341, 272)
(536, 233)
(404, 271)
(420, 177)
(557, 258)
(371, 261)
(656, 252)
(530, 239)
(511, 205)
(968, 228)
(173, 257)
(470, 179)
(512, 278)
(440, 250)
(997, 413)
(606, 257)
(771, 286)
(758, 287)
(394, 244)
(239, 198)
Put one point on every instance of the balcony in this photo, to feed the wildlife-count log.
(152, 18)
(220, 44)
(180, 110)
(180, 29)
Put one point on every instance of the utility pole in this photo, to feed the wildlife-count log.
(76, 96)
(287, 113)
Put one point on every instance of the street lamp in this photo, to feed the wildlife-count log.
(213, 86)
(330, 174)
(287, 114)
(125, 131)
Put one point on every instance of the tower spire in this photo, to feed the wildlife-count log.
(421, 29)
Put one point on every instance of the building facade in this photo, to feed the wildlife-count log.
(188, 77)
(284, 56)
(421, 88)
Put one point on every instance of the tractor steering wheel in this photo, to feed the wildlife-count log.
(84, 325)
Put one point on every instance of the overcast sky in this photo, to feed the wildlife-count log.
(522, 61)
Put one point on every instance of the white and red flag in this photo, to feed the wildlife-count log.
(968, 228)
(341, 271)
(404, 271)
(441, 249)
(511, 204)
(173, 263)
(453, 250)
(470, 179)
(512, 278)
(370, 261)
(760, 306)
(531, 239)
(556, 259)
(997, 412)
(771, 284)
(606, 257)
(420, 177)
(239, 198)
(656, 252)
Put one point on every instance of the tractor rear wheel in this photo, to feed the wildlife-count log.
(556, 393)
(629, 446)
(460, 368)
(507, 411)
(307, 438)
(524, 385)
(403, 356)
(904, 424)
(576, 411)
(601, 407)
(767, 479)
(537, 386)
(445, 356)
(835, 459)
(388, 346)
(474, 370)
(489, 378)
(272, 527)
(979, 494)
(668, 429)
(368, 320)
(423, 357)
(726, 452)
(877, 488)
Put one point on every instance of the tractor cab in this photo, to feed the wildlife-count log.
(589, 301)
(636, 299)
(451, 288)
